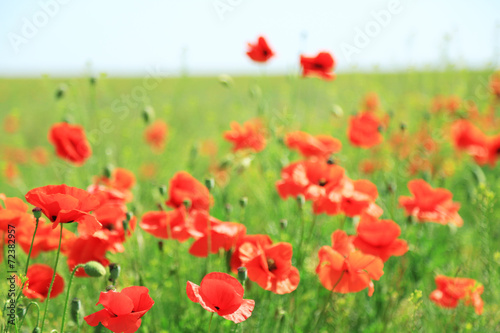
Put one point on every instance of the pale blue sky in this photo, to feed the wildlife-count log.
(129, 37)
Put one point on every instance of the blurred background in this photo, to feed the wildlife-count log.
(209, 37)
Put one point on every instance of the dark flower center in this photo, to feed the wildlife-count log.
(322, 182)
(265, 53)
(110, 227)
(330, 161)
(54, 218)
(318, 65)
(271, 265)
(498, 151)
(217, 308)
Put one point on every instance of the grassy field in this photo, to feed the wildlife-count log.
(198, 111)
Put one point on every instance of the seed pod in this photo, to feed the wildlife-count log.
(94, 269)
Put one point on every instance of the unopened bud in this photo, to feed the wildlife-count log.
(283, 223)
(148, 114)
(76, 310)
(92, 81)
(402, 127)
(242, 275)
(301, 200)
(337, 111)
(330, 161)
(125, 224)
(243, 202)
(226, 80)
(21, 311)
(61, 91)
(114, 271)
(94, 269)
(186, 203)
(37, 212)
(110, 288)
(210, 183)
(108, 170)
(160, 246)
(37, 330)
(163, 190)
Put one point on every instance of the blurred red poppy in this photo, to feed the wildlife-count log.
(272, 269)
(156, 135)
(70, 142)
(122, 310)
(260, 52)
(12, 212)
(11, 123)
(343, 270)
(379, 238)
(166, 225)
(371, 101)
(431, 205)
(250, 135)
(183, 187)
(85, 249)
(39, 278)
(450, 290)
(247, 247)
(321, 146)
(321, 65)
(495, 84)
(364, 130)
(223, 235)
(65, 204)
(358, 196)
(223, 294)
(310, 178)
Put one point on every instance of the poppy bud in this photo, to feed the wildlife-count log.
(148, 114)
(61, 91)
(37, 330)
(129, 216)
(125, 225)
(337, 111)
(210, 183)
(110, 288)
(76, 310)
(21, 311)
(391, 187)
(330, 160)
(114, 271)
(243, 202)
(37, 212)
(160, 246)
(186, 203)
(402, 126)
(301, 200)
(163, 190)
(93, 81)
(226, 80)
(242, 275)
(108, 170)
(283, 223)
(94, 269)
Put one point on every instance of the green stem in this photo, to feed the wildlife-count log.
(67, 295)
(53, 278)
(37, 315)
(327, 301)
(28, 262)
(210, 324)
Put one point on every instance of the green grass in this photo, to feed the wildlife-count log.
(200, 109)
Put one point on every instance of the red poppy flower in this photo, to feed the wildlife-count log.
(122, 310)
(320, 146)
(364, 130)
(121, 179)
(260, 52)
(358, 197)
(112, 217)
(223, 294)
(166, 225)
(70, 142)
(469, 138)
(495, 84)
(183, 186)
(379, 238)
(345, 271)
(272, 269)
(40, 155)
(39, 278)
(11, 123)
(247, 248)
(249, 136)
(450, 290)
(223, 235)
(12, 212)
(85, 249)
(108, 195)
(156, 135)
(321, 65)
(431, 205)
(310, 178)
(453, 103)
(65, 204)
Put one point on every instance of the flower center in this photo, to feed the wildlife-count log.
(271, 265)
(322, 182)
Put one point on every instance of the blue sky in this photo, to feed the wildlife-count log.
(208, 37)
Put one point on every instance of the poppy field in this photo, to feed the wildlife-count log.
(338, 202)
